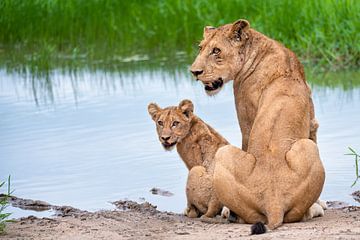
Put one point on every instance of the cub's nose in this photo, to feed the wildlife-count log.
(165, 138)
(196, 72)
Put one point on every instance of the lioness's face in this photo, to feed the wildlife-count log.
(219, 58)
(172, 123)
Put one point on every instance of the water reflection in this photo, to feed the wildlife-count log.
(90, 140)
(48, 87)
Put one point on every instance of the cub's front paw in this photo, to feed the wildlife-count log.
(191, 212)
(225, 212)
(231, 216)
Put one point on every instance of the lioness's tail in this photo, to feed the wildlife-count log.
(258, 228)
(275, 217)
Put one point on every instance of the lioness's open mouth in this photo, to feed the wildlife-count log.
(168, 145)
(214, 85)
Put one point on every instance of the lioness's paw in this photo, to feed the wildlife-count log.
(316, 210)
(322, 203)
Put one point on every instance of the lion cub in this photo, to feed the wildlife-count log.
(196, 143)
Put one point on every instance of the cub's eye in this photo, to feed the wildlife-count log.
(160, 123)
(200, 48)
(215, 51)
(175, 123)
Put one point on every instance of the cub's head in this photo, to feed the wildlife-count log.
(219, 58)
(172, 123)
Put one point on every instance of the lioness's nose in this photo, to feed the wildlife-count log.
(165, 138)
(196, 72)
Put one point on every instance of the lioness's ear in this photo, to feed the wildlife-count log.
(238, 28)
(153, 109)
(187, 107)
(208, 30)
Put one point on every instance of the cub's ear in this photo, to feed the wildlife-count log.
(187, 107)
(238, 28)
(153, 109)
(208, 31)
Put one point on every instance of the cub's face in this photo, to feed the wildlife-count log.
(172, 123)
(219, 59)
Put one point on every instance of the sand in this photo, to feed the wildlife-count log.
(132, 220)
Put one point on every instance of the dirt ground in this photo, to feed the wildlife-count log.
(132, 220)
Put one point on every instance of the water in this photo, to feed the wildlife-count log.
(87, 140)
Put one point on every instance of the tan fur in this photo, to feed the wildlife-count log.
(278, 174)
(196, 143)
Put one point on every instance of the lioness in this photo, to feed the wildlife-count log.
(196, 143)
(278, 174)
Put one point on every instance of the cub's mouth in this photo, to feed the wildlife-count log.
(213, 86)
(168, 146)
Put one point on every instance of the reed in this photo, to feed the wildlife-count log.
(4, 203)
(357, 159)
(56, 32)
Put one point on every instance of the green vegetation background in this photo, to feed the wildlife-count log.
(54, 32)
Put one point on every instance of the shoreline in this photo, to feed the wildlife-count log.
(132, 220)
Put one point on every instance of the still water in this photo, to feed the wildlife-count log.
(86, 139)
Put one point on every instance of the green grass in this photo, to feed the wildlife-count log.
(4, 203)
(357, 159)
(51, 34)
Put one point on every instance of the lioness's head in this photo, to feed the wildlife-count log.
(172, 123)
(219, 57)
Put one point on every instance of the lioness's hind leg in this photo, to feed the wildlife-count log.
(240, 164)
(303, 158)
(232, 168)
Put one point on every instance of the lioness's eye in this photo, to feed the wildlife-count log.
(216, 51)
(160, 123)
(200, 47)
(175, 123)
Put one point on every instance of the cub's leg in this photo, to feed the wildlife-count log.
(232, 167)
(191, 211)
(214, 206)
(199, 189)
(303, 158)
